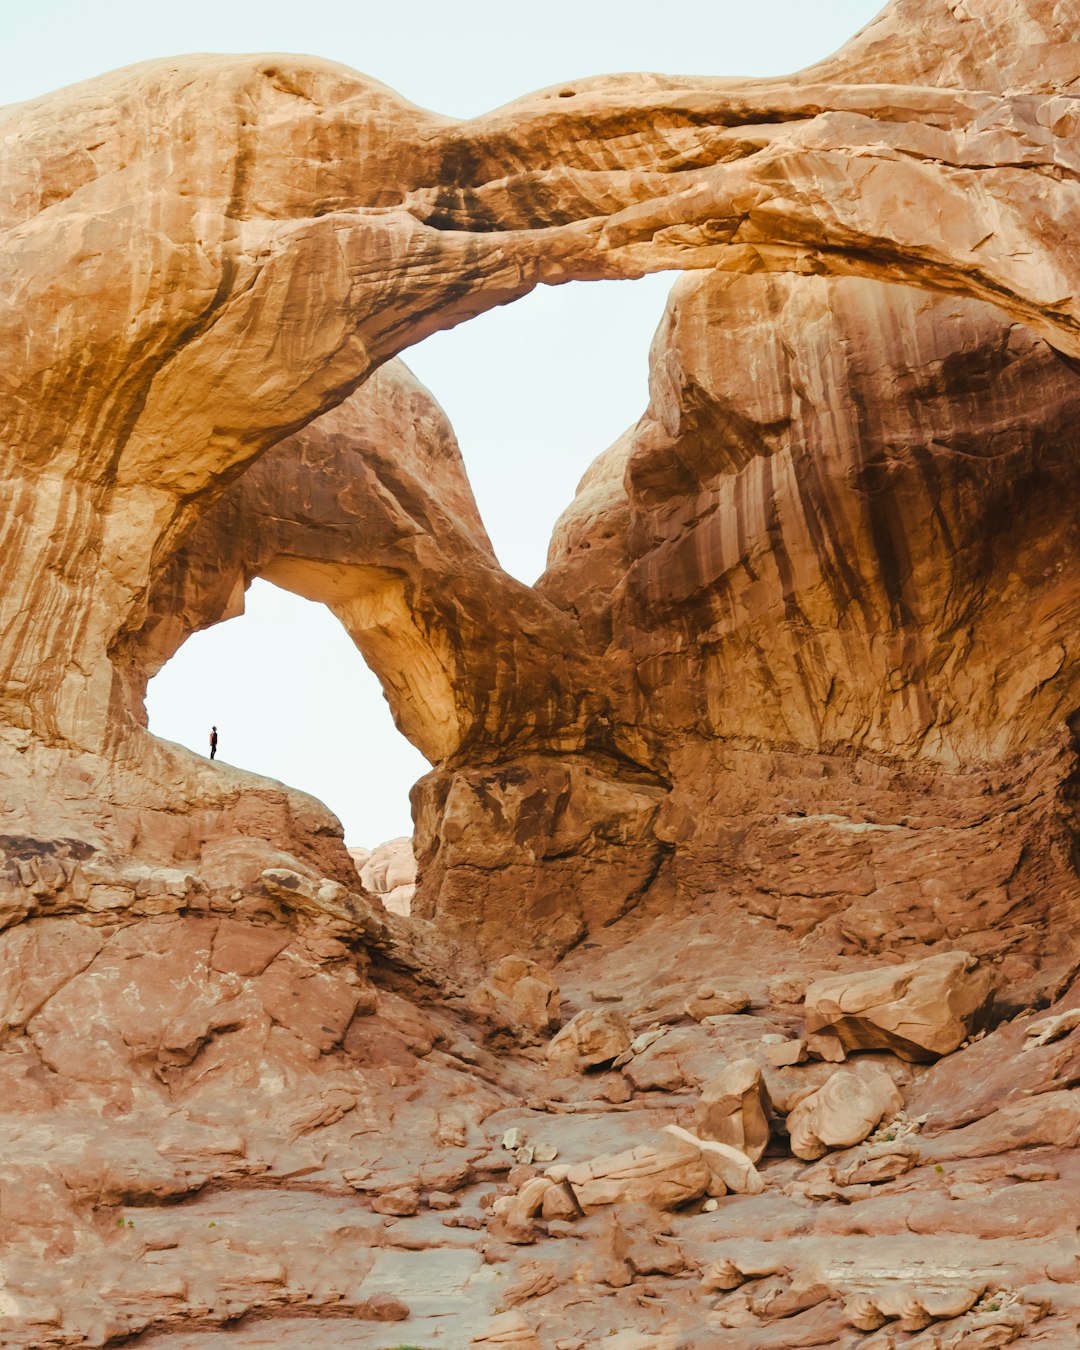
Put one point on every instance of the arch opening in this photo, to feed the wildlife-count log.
(293, 700)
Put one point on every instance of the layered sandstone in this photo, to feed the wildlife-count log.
(791, 715)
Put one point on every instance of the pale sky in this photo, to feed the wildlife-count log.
(535, 391)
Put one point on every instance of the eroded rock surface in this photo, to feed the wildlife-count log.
(919, 1011)
(793, 710)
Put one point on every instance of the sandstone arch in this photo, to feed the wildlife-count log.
(800, 676)
(206, 255)
(369, 510)
(201, 256)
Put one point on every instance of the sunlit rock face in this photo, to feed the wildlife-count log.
(794, 707)
(840, 525)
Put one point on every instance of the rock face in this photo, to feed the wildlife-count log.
(793, 708)
(812, 598)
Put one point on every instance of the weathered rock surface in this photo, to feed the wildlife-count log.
(734, 1108)
(842, 1112)
(797, 695)
(919, 1011)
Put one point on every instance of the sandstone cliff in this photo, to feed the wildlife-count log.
(775, 769)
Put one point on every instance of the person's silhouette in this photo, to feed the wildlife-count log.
(213, 742)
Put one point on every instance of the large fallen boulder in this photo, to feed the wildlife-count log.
(919, 1011)
(595, 1036)
(678, 1169)
(518, 994)
(734, 1108)
(843, 1112)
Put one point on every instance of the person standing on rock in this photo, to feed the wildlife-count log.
(213, 742)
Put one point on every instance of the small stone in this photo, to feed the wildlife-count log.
(711, 1205)
(441, 1200)
(1032, 1172)
(525, 1154)
(787, 989)
(513, 1139)
(786, 1053)
(383, 1308)
(642, 1042)
(400, 1203)
(545, 1153)
(710, 1002)
(968, 1190)
(469, 1221)
(771, 1038)
(616, 1090)
(827, 1046)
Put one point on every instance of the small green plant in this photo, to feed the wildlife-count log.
(938, 1167)
(212, 1225)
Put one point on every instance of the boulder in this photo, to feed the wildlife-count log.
(665, 1175)
(676, 1170)
(730, 1169)
(710, 1002)
(595, 1036)
(389, 872)
(734, 1108)
(919, 1011)
(659, 1061)
(842, 1112)
(509, 1328)
(518, 993)
(400, 1203)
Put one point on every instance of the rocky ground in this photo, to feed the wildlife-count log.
(300, 1130)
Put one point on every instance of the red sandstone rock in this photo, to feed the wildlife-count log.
(842, 1112)
(734, 1108)
(918, 1011)
(796, 694)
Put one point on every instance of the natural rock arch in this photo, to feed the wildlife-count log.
(369, 510)
(201, 256)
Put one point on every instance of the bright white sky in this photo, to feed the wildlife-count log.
(534, 391)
